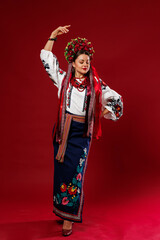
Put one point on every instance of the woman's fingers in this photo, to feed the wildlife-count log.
(61, 30)
(64, 30)
(67, 26)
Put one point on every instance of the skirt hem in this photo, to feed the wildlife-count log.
(67, 218)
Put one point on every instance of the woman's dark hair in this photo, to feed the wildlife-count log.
(76, 56)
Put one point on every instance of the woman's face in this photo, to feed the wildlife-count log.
(81, 64)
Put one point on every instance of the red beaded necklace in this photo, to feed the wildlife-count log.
(80, 86)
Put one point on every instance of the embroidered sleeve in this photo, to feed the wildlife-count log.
(51, 66)
(112, 101)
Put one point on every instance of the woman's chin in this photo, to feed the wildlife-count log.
(84, 72)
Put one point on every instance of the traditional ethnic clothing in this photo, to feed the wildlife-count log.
(71, 154)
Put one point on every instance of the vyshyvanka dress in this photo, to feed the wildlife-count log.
(68, 194)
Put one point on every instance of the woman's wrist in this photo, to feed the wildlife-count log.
(53, 35)
(53, 39)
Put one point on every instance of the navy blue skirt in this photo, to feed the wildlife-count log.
(68, 194)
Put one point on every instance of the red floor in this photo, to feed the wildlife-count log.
(134, 219)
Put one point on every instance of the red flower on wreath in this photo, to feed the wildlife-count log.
(74, 42)
(86, 48)
(80, 41)
(70, 52)
(72, 190)
(76, 49)
(63, 187)
(76, 45)
(89, 45)
(70, 47)
(70, 58)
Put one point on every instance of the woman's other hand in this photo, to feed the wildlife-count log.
(104, 112)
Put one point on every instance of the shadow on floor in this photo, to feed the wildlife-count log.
(31, 230)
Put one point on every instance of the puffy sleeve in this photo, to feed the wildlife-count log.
(51, 66)
(112, 101)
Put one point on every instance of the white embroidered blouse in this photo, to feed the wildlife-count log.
(76, 100)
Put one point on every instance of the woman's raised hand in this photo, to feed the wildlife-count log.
(60, 30)
(57, 31)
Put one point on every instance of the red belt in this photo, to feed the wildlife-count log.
(63, 145)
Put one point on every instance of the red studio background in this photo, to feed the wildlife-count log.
(123, 166)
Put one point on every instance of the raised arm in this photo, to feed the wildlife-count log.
(58, 31)
(50, 61)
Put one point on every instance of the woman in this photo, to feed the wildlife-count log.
(83, 99)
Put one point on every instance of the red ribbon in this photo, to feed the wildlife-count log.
(97, 131)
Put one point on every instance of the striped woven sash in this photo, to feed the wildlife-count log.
(63, 145)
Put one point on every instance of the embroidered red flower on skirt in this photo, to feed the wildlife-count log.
(63, 187)
(72, 190)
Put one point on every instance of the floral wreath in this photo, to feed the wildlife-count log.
(76, 45)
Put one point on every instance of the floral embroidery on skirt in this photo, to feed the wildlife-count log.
(70, 194)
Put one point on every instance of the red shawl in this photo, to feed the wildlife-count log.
(97, 107)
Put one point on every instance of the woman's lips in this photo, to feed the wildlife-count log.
(84, 68)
